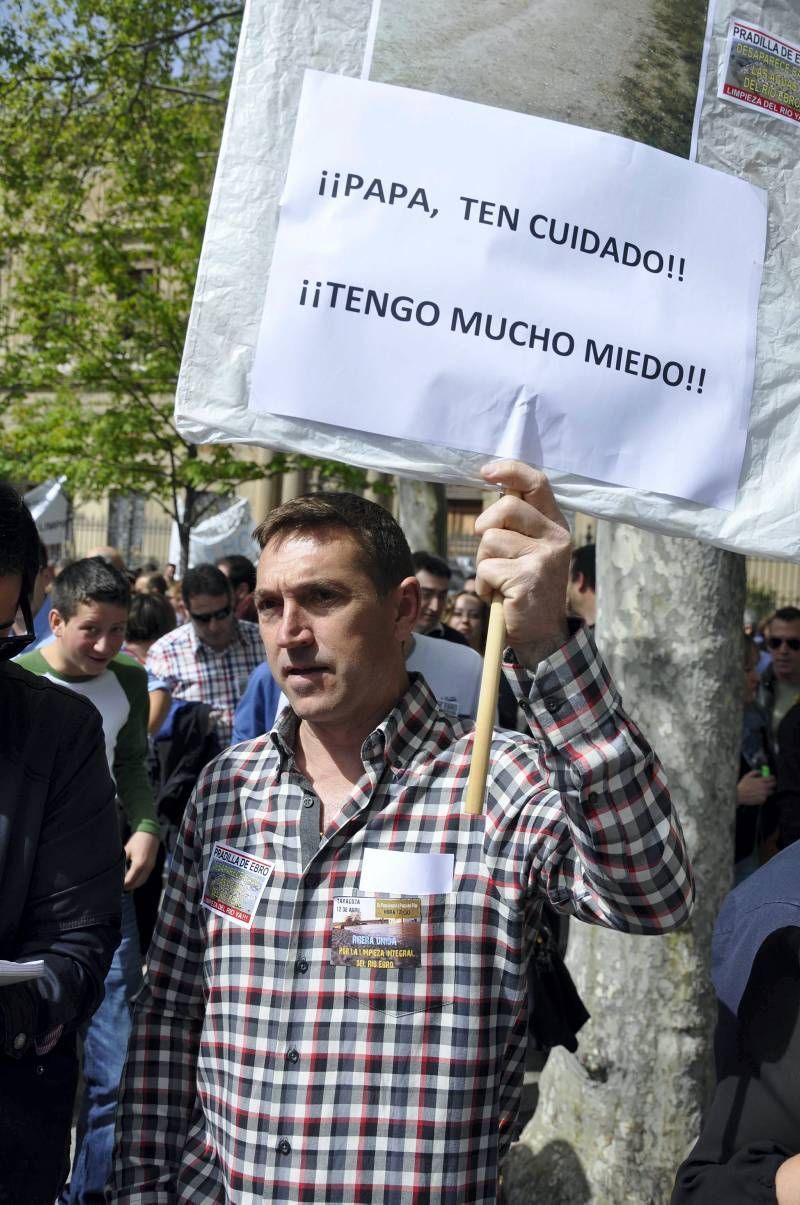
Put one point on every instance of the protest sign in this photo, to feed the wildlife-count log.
(544, 292)
(235, 266)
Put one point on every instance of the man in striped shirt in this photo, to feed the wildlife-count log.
(209, 659)
(336, 1000)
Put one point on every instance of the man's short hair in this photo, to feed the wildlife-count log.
(428, 563)
(151, 616)
(386, 557)
(90, 580)
(787, 614)
(241, 570)
(155, 580)
(583, 561)
(19, 539)
(204, 579)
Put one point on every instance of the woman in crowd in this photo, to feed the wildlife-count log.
(469, 615)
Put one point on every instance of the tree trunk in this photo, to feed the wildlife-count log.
(614, 1121)
(422, 514)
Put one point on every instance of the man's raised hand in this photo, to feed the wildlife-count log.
(524, 555)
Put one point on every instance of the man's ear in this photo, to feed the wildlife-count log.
(407, 594)
(56, 621)
(581, 583)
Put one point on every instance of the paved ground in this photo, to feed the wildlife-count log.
(535, 56)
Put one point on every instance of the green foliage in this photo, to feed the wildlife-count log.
(111, 113)
(760, 600)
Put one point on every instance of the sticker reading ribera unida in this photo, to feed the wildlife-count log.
(376, 933)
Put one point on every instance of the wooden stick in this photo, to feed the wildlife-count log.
(487, 709)
(487, 705)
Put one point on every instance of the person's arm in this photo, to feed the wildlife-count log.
(601, 836)
(786, 800)
(752, 1128)
(158, 710)
(71, 917)
(256, 710)
(159, 1085)
(133, 781)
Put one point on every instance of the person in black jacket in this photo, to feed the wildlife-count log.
(749, 1147)
(60, 876)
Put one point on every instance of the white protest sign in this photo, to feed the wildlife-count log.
(540, 291)
(214, 387)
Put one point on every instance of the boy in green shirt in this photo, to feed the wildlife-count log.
(90, 602)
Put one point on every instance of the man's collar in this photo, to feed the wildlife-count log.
(398, 739)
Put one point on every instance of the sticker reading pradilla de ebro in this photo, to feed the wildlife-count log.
(235, 883)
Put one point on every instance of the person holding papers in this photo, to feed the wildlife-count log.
(60, 878)
(335, 1005)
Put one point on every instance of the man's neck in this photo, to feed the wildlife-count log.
(329, 755)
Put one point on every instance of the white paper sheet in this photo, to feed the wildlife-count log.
(20, 972)
(544, 292)
(398, 873)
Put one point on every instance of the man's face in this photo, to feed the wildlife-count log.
(333, 644)
(433, 596)
(213, 619)
(87, 641)
(785, 659)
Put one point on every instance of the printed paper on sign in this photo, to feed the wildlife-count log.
(541, 291)
(761, 72)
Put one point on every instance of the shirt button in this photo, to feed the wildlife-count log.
(284, 1147)
(553, 706)
(293, 1055)
(308, 801)
(301, 966)
(20, 1041)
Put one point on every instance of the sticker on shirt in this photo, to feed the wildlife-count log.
(376, 933)
(235, 884)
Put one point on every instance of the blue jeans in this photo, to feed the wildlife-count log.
(105, 1044)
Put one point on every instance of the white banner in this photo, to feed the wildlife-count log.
(49, 507)
(224, 534)
(541, 291)
(214, 386)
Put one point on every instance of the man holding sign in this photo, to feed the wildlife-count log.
(336, 999)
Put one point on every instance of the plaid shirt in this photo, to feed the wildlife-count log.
(260, 1071)
(191, 670)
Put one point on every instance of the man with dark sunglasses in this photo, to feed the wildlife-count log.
(209, 659)
(780, 683)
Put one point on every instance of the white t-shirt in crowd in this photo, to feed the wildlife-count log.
(452, 671)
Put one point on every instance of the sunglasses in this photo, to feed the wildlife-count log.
(775, 642)
(222, 613)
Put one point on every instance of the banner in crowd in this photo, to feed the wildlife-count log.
(238, 260)
(224, 533)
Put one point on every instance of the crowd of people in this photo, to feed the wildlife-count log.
(235, 799)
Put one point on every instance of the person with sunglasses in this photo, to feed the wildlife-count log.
(780, 683)
(61, 859)
(210, 658)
